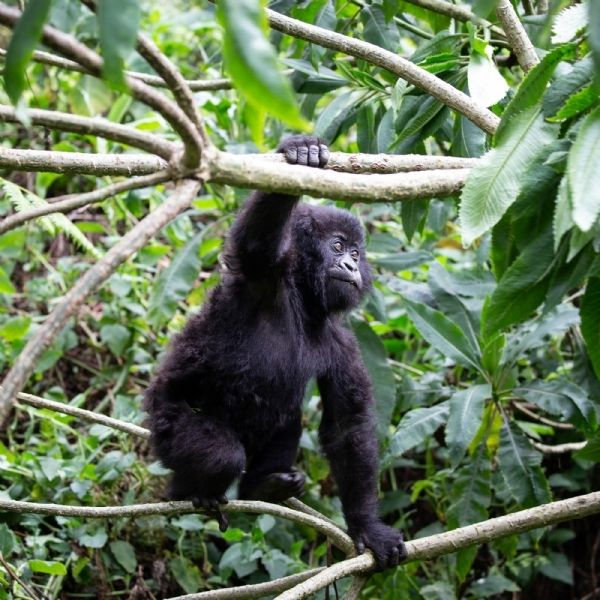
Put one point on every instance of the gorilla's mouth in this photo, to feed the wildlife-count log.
(349, 280)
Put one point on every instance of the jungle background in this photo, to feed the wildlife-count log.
(481, 335)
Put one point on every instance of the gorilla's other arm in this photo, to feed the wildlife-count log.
(255, 242)
(348, 438)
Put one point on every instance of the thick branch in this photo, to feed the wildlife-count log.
(335, 534)
(516, 35)
(73, 202)
(135, 239)
(451, 541)
(70, 47)
(257, 590)
(99, 127)
(258, 173)
(196, 85)
(80, 162)
(401, 67)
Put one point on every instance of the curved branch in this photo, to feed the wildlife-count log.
(335, 534)
(259, 173)
(516, 35)
(559, 448)
(72, 48)
(81, 413)
(73, 202)
(81, 163)
(179, 201)
(96, 126)
(196, 85)
(257, 590)
(451, 541)
(481, 116)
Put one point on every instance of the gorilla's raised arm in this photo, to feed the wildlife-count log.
(256, 241)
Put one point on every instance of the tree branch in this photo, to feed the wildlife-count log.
(75, 201)
(81, 163)
(559, 448)
(72, 48)
(445, 543)
(196, 85)
(96, 126)
(401, 67)
(130, 243)
(516, 35)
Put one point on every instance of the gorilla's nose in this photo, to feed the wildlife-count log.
(349, 265)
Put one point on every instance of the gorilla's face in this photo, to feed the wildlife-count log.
(344, 281)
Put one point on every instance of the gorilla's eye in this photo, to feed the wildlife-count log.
(354, 255)
(338, 246)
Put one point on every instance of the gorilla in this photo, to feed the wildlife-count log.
(226, 401)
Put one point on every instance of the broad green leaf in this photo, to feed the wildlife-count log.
(471, 493)
(567, 85)
(382, 377)
(520, 467)
(558, 567)
(494, 185)
(116, 337)
(94, 540)
(186, 573)
(7, 540)
(49, 567)
(594, 36)
(124, 554)
(591, 451)
(561, 398)
(577, 103)
(118, 22)
(175, 282)
(590, 322)
(403, 261)
(583, 173)
(6, 286)
(416, 426)
(22, 44)
(443, 334)
(334, 115)
(483, 8)
(522, 287)
(15, 328)
(492, 586)
(465, 415)
(413, 215)
(486, 85)
(562, 221)
(252, 62)
(377, 31)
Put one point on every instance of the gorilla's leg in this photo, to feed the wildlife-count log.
(270, 475)
(206, 456)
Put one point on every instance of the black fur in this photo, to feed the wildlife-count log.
(226, 401)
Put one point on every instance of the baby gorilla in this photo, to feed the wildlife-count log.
(226, 401)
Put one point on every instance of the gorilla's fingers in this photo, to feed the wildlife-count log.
(360, 547)
(323, 155)
(222, 520)
(313, 156)
(291, 155)
(394, 558)
(303, 155)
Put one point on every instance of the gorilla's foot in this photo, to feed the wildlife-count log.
(210, 504)
(275, 487)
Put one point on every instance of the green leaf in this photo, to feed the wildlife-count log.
(561, 398)
(413, 215)
(522, 287)
(124, 554)
(15, 328)
(6, 286)
(333, 116)
(576, 104)
(591, 451)
(520, 467)
(583, 173)
(49, 567)
(382, 377)
(20, 49)
(590, 322)
(94, 540)
(7, 540)
(402, 261)
(565, 86)
(252, 62)
(186, 573)
(486, 85)
(594, 36)
(377, 31)
(116, 337)
(175, 282)
(118, 21)
(443, 334)
(494, 184)
(465, 415)
(416, 426)
(569, 22)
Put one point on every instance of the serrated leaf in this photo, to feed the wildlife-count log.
(567, 85)
(520, 467)
(522, 287)
(590, 322)
(382, 377)
(416, 426)
(593, 37)
(562, 221)
(175, 282)
(576, 104)
(25, 38)
(252, 62)
(494, 184)
(568, 22)
(583, 173)
(443, 334)
(465, 415)
(118, 23)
